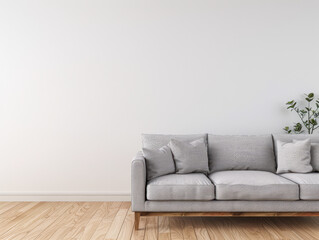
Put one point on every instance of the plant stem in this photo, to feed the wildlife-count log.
(313, 113)
(304, 123)
(309, 129)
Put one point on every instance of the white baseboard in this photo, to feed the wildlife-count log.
(64, 196)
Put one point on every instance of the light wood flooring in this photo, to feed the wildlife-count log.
(115, 220)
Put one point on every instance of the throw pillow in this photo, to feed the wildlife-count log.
(294, 156)
(158, 162)
(315, 156)
(190, 156)
(314, 152)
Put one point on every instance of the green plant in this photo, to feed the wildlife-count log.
(308, 115)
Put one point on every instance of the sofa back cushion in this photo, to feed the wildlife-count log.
(241, 153)
(314, 138)
(156, 141)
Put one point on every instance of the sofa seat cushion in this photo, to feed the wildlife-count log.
(253, 185)
(192, 186)
(308, 184)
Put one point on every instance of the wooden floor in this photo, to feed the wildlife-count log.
(114, 220)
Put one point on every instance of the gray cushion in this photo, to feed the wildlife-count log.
(253, 185)
(156, 141)
(190, 157)
(293, 156)
(314, 153)
(308, 184)
(314, 138)
(241, 153)
(315, 156)
(192, 186)
(158, 162)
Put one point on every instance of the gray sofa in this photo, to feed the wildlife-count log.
(242, 181)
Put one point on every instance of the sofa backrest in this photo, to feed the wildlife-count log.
(290, 137)
(241, 153)
(156, 141)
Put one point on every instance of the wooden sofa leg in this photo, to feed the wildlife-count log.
(137, 219)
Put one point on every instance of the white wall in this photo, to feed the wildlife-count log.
(81, 80)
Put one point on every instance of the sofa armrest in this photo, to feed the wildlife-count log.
(138, 182)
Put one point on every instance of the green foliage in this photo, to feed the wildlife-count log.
(308, 116)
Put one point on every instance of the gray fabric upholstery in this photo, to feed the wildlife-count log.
(156, 141)
(159, 162)
(253, 185)
(308, 184)
(138, 182)
(293, 156)
(192, 186)
(290, 137)
(232, 206)
(241, 153)
(315, 156)
(190, 156)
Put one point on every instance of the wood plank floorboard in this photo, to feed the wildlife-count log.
(115, 220)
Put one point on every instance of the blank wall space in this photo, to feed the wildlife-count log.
(81, 80)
